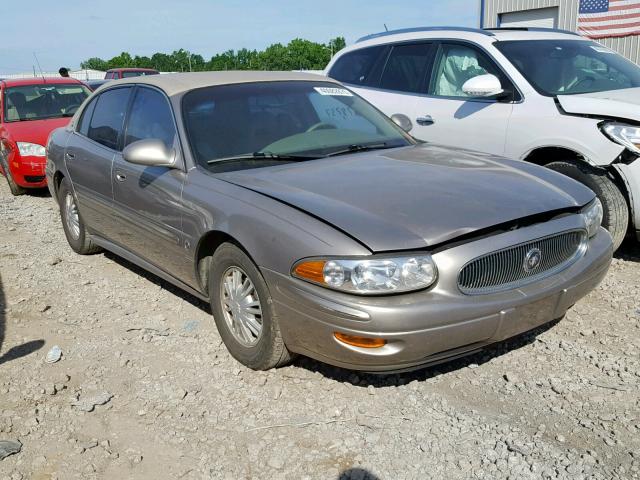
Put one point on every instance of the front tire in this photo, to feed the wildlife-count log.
(243, 310)
(72, 224)
(616, 210)
(16, 190)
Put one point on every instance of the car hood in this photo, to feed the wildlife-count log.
(622, 103)
(414, 197)
(34, 131)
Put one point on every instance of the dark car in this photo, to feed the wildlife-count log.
(315, 225)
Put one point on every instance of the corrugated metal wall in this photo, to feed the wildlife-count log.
(567, 19)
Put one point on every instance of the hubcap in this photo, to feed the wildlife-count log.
(71, 216)
(241, 306)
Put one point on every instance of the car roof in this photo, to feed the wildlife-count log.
(464, 33)
(177, 83)
(17, 82)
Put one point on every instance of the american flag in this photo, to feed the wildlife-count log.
(609, 18)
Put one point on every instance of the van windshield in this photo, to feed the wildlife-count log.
(566, 67)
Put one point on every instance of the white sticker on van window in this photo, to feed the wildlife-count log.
(601, 49)
(334, 92)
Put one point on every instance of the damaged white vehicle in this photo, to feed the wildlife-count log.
(545, 96)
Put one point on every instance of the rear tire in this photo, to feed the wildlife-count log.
(72, 224)
(256, 343)
(16, 190)
(616, 210)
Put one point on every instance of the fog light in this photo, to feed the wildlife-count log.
(362, 342)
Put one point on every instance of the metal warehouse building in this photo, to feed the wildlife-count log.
(562, 14)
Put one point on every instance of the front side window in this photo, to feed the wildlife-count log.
(458, 63)
(108, 117)
(150, 117)
(360, 67)
(39, 102)
(85, 119)
(313, 119)
(565, 67)
(407, 67)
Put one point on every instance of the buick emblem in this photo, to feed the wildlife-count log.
(532, 260)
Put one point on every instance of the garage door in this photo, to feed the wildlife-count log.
(539, 17)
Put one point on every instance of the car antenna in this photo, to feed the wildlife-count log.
(385, 27)
(39, 67)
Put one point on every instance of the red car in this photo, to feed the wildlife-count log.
(117, 73)
(30, 109)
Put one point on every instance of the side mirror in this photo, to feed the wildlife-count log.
(402, 121)
(150, 152)
(483, 86)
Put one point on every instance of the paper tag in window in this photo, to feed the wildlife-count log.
(601, 49)
(334, 92)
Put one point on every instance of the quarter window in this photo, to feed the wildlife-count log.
(458, 63)
(108, 117)
(150, 117)
(407, 67)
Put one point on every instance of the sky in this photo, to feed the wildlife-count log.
(64, 33)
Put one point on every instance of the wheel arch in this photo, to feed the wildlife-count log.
(207, 245)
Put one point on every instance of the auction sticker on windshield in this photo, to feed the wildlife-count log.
(334, 92)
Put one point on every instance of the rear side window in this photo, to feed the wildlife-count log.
(108, 117)
(406, 69)
(360, 67)
(150, 117)
(85, 119)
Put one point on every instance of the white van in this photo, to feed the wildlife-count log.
(544, 96)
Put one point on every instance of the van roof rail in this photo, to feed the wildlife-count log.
(531, 29)
(425, 29)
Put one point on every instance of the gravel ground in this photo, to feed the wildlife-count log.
(145, 388)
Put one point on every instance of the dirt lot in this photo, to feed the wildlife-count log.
(562, 402)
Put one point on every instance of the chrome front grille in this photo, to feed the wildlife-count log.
(521, 264)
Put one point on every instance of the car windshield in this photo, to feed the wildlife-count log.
(137, 73)
(565, 67)
(270, 121)
(37, 102)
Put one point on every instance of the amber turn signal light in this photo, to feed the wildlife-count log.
(362, 342)
(313, 270)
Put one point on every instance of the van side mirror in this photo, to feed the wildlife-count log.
(150, 152)
(483, 86)
(401, 120)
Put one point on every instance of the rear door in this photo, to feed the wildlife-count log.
(89, 157)
(148, 200)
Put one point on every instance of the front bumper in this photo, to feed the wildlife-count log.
(28, 172)
(429, 326)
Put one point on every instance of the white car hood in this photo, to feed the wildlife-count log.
(624, 104)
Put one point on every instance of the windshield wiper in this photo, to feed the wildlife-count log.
(359, 148)
(263, 156)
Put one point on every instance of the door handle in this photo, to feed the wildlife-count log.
(120, 177)
(425, 120)
(70, 156)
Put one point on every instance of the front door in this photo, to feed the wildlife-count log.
(148, 200)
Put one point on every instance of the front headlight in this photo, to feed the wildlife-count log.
(369, 276)
(623, 134)
(27, 149)
(592, 215)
